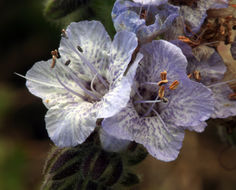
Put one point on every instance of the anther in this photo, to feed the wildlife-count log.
(63, 33)
(190, 75)
(164, 75)
(80, 49)
(55, 52)
(47, 101)
(161, 92)
(162, 82)
(54, 58)
(232, 96)
(197, 75)
(174, 85)
(67, 62)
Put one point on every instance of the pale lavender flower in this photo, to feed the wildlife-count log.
(158, 120)
(211, 68)
(146, 18)
(86, 83)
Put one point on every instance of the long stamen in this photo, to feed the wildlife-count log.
(150, 108)
(197, 75)
(68, 89)
(78, 81)
(92, 68)
(161, 92)
(147, 101)
(221, 83)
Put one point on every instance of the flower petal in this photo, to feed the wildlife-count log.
(223, 106)
(119, 94)
(162, 141)
(94, 43)
(122, 49)
(161, 56)
(70, 124)
(189, 105)
(111, 143)
(151, 2)
(42, 82)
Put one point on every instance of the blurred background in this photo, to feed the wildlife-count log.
(204, 163)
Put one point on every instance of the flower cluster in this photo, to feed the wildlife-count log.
(153, 81)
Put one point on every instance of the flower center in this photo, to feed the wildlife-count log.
(150, 97)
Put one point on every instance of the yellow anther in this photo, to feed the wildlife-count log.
(174, 85)
(54, 58)
(163, 75)
(232, 96)
(161, 92)
(47, 101)
(162, 82)
(197, 75)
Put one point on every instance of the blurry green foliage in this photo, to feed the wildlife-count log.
(63, 12)
(12, 167)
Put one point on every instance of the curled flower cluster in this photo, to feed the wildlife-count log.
(153, 81)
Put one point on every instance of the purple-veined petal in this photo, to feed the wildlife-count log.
(162, 141)
(122, 49)
(224, 107)
(151, 2)
(189, 105)
(119, 94)
(70, 124)
(42, 82)
(94, 43)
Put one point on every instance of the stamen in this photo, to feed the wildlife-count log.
(232, 96)
(160, 83)
(92, 68)
(161, 92)
(174, 85)
(78, 81)
(147, 101)
(197, 75)
(68, 89)
(47, 101)
(54, 60)
(143, 14)
(63, 34)
(164, 75)
(190, 75)
(150, 108)
(67, 62)
(221, 83)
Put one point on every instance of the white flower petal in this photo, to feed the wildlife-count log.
(123, 47)
(119, 94)
(42, 82)
(70, 124)
(94, 42)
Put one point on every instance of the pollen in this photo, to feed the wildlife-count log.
(161, 92)
(197, 75)
(174, 85)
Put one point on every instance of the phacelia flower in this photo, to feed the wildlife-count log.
(164, 103)
(146, 18)
(194, 12)
(209, 69)
(86, 83)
